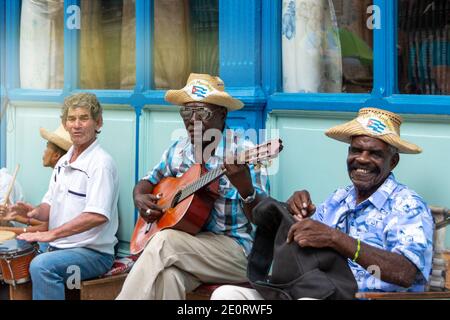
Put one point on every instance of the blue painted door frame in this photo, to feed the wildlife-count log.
(241, 69)
(385, 91)
(2, 83)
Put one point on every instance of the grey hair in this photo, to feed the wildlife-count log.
(82, 100)
(392, 150)
(85, 100)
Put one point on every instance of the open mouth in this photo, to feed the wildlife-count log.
(361, 174)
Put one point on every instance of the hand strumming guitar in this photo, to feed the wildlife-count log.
(145, 202)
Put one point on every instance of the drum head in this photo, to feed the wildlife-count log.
(15, 247)
(6, 235)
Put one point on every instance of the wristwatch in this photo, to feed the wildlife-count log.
(250, 198)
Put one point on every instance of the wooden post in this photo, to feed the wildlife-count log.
(20, 291)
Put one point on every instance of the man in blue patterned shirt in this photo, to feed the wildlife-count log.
(175, 262)
(382, 227)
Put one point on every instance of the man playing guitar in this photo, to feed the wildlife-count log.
(174, 262)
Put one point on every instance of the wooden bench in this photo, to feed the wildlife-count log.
(403, 295)
(205, 291)
(106, 288)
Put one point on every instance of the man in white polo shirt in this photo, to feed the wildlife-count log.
(80, 206)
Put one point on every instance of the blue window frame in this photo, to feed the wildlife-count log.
(385, 92)
(239, 26)
(2, 84)
(250, 64)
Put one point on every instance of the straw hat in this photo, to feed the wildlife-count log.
(203, 88)
(375, 123)
(60, 137)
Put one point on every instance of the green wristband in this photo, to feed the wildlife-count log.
(358, 248)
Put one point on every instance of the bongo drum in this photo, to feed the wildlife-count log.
(5, 235)
(15, 259)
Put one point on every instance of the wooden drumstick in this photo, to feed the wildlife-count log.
(11, 186)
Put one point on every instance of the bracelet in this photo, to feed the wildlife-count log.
(250, 198)
(358, 248)
(24, 230)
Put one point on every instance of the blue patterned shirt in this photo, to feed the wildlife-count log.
(227, 216)
(394, 218)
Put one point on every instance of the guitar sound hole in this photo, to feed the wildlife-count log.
(175, 199)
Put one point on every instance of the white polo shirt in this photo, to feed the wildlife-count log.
(89, 184)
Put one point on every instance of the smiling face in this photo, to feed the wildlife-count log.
(369, 163)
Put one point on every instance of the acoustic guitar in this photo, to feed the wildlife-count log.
(188, 200)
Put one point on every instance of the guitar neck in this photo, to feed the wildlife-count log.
(265, 151)
(203, 181)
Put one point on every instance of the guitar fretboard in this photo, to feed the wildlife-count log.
(200, 183)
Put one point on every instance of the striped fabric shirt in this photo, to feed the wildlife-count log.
(227, 216)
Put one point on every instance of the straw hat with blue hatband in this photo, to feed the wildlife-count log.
(375, 123)
(203, 88)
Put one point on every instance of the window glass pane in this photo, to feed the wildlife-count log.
(42, 44)
(424, 47)
(186, 40)
(326, 46)
(108, 44)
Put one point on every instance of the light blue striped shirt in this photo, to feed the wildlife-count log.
(227, 216)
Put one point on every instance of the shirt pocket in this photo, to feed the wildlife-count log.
(77, 190)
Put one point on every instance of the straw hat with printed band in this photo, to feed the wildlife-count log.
(376, 123)
(60, 137)
(203, 88)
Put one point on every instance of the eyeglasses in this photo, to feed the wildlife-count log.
(203, 114)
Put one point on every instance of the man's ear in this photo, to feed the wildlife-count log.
(56, 155)
(224, 114)
(99, 123)
(395, 160)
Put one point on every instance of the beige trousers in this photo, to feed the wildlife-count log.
(175, 262)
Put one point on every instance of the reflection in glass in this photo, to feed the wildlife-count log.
(108, 44)
(185, 40)
(42, 44)
(326, 46)
(424, 46)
